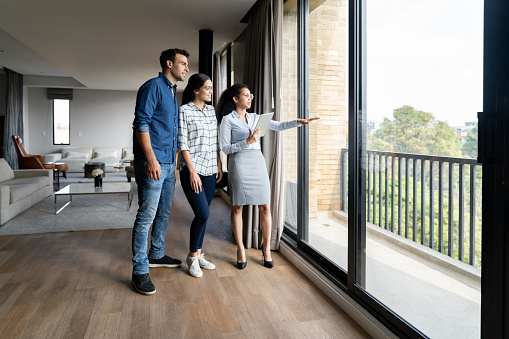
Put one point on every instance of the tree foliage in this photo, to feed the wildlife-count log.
(470, 146)
(414, 131)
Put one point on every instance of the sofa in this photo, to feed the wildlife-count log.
(77, 157)
(21, 189)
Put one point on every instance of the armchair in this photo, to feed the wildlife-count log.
(27, 161)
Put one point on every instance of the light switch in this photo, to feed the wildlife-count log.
(80, 134)
(43, 133)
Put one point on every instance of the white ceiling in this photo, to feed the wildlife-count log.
(108, 44)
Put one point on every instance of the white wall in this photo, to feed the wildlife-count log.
(103, 118)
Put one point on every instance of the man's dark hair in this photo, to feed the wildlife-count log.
(169, 54)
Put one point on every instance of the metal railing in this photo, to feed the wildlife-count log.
(408, 194)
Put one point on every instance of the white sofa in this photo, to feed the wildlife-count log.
(21, 189)
(77, 157)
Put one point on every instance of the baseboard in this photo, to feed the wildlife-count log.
(362, 317)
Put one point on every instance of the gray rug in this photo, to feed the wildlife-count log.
(86, 212)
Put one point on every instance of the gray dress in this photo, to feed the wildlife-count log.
(247, 172)
(248, 178)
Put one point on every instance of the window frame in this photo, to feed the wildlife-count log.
(53, 120)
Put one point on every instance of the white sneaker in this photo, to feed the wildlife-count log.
(194, 267)
(206, 265)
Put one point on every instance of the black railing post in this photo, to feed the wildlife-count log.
(431, 206)
(407, 200)
(374, 189)
(450, 235)
(423, 202)
(380, 182)
(414, 202)
(368, 205)
(472, 216)
(393, 195)
(441, 207)
(399, 196)
(386, 193)
(461, 211)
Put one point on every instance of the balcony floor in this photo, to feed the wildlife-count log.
(439, 301)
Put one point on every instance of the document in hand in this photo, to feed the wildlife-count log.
(263, 122)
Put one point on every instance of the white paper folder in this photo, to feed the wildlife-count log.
(263, 122)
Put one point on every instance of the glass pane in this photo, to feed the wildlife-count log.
(224, 72)
(61, 132)
(423, 189)
(289, 105)
(328, 43)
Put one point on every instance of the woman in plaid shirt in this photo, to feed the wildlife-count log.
(200, 164)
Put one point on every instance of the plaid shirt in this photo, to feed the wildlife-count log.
(197, 133)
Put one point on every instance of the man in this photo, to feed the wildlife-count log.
(155, 129)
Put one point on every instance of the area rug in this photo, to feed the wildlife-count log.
(84, 213)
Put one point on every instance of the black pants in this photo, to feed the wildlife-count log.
(200, 203)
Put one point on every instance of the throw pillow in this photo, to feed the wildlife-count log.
(77, 155)
(112, 154)
(6, 172)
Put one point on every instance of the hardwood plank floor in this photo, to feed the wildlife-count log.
(78, 285)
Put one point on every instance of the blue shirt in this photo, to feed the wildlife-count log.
(234, 131)
(157, 113)
(198, 134)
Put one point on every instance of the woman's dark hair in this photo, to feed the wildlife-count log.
(195, 82)
(226, 104)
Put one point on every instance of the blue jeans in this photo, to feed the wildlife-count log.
(200, 204)
(155, 201)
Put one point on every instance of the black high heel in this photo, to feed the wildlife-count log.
(242, 265)
(266, 263)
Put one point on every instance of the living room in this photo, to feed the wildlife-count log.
(104, 61)
(67, 282)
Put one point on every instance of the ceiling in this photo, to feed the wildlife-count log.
(108, 45)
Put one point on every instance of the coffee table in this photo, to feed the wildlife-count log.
(88, 188)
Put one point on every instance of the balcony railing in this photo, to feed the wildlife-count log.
(414, 196)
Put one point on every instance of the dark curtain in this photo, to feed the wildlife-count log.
(13, 115)
(262, 74)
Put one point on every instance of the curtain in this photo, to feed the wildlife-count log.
(216, 79)
(13, 115)
(262, 74)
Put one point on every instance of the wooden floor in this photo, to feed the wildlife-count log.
(78, 285)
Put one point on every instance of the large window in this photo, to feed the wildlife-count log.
(61, 122)
(424, 76)
(388, 201)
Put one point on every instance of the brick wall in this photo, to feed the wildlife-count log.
(328, 99)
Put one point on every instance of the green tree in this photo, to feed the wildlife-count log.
(414, 131)
(470, 146)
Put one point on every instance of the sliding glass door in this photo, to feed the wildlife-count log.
(385, 193)
(423, 194)
(315, 84)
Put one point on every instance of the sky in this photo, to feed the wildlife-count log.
(426, 54)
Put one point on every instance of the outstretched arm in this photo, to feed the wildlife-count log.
(284, 125)
(306, 121)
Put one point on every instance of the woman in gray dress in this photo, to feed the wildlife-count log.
(247, 172)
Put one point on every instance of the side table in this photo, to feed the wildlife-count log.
(60, 167)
